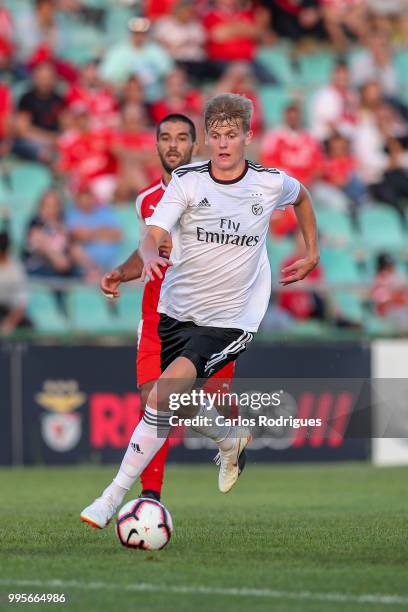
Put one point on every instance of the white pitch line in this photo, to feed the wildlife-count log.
(368, 598)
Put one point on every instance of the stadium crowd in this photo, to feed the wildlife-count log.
(83, 83)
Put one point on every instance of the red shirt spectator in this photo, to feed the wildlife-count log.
(339, 166)
(178, 98)
(300, 303)
(389, 292)
(293, 149)
(85, 153)
(156, 8)
(92, 93)
(6, 33)
(231, 32)
(6, 108)
(134, 146)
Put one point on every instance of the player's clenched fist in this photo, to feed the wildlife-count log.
(152, 268)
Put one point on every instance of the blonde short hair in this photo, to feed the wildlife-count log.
(228, 108)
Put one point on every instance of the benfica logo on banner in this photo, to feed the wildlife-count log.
(61, 427)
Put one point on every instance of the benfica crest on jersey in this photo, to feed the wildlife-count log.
(257, 208)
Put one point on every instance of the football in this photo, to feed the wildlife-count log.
(144, 524)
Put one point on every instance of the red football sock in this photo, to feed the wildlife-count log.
(152, 476)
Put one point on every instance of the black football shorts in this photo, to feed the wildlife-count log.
(209, 348)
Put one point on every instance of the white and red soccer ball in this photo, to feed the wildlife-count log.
(144, 524)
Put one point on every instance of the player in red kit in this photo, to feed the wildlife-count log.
(176, 144)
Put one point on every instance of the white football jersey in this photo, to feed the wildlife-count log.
(220, 275)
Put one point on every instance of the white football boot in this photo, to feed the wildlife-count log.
(100, 512)
(232, 463)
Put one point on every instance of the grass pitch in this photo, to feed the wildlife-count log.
(294, 538)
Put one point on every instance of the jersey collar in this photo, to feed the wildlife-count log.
(231, 181)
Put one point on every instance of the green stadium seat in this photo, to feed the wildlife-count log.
(349, 305)
(18, 227)
(86, 42)
(308, 329)
(278, 251)
(89, 311)
(316, 68)
(336, 227)
(130, 226)
(44, 312)
(381, 229)
(277, 60)
(28, 183)
(274, 100)
(377, 326)
(339, 266)
(129, 309)
(116, 23)
(4, 195)
(401, 66)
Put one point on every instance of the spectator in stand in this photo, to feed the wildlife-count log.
(341, 17)
(41, 38)
(48, 250)
(6, 37)
(303, 301)
(95, 229)
(239, 78)
(183, 35)
(86, 155)
(135, 148)
(380, 144)
(375, 63)
(300, 302)
(295, 19)
(233, 34)
(138, 55)
(390, 293)
(372, 97)
(393, 188)
(91, 91)
(13, 290)
(178, 98)
(334, 107)
(293, 149)
(6, 119)
(339, 175)
(132, 92)
(38, 117)
(154, 9)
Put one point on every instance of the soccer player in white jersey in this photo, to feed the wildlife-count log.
(216, 291)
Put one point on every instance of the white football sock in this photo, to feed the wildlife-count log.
(219, 433)
(147, 438)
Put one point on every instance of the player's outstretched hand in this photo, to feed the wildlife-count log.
(151, 269)
(297, 271)
(110, 283)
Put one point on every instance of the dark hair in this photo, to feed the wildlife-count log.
(341, 62)
(384, 260)
(174, 117)
(4, 242)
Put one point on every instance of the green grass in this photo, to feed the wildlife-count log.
(321, 529)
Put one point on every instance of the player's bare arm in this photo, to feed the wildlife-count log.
(149, 252)
(130, 270)
(307, 223)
